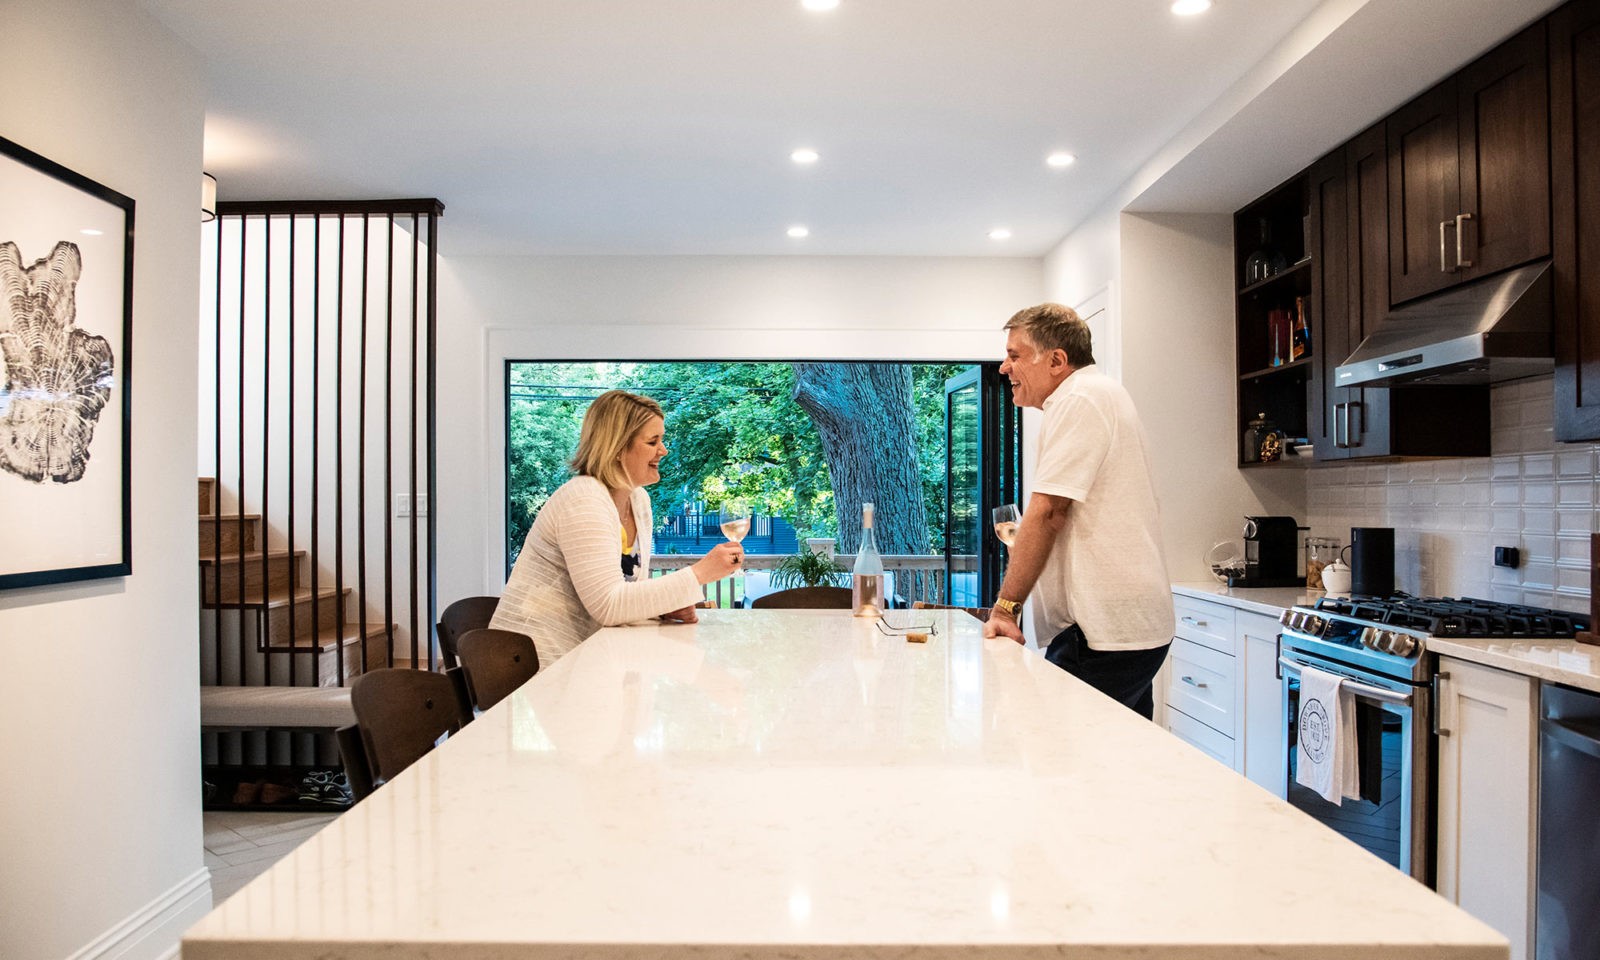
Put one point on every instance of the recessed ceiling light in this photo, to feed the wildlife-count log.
(1188, 8)
(91, 232)
(1060, 159)
(1000, 233)
(805, 155)
(819, 4)
(799, 232)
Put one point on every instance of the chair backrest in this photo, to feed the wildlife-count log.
(982, 613)
(401, 714)
(805, 598)
(469, 613)
(497, 662)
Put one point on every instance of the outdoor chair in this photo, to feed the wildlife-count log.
(470, 613)
(805, 598)
(982, 613)
(400, 715)
(496, 663)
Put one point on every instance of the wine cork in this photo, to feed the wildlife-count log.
(916, 637)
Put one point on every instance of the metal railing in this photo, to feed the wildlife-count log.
(913, 577)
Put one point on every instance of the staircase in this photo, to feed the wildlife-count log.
(276, 590)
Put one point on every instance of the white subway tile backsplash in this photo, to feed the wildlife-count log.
(1448, 515)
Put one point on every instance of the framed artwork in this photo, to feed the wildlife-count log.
(66, 323)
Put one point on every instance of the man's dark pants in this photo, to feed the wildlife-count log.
(1123, 675)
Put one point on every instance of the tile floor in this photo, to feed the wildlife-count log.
(242, 844)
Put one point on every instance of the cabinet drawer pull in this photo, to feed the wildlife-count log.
(1193, 622)
(1460, 219)
(1191, 681)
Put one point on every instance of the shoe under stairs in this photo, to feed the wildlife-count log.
(275, 587)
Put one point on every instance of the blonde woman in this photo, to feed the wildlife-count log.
(586, 561)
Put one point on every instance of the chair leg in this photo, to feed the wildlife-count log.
(357, 769)
(458, 677)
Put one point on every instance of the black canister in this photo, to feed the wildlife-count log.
(1372, 561)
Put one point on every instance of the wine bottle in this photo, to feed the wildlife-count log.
(1301, 344)
(866, 585)
(1266, 260)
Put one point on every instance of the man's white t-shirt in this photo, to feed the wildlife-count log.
(1106, 571)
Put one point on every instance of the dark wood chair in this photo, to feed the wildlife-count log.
(805, 598)
(982, 613)
(469, 613)
(496, 662)
(400, 715)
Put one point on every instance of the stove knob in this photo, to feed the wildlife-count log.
(1314, 624)
(1288, 617)
(1403, 645)
(1387, 640)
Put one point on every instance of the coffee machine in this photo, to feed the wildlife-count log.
(1271, 553)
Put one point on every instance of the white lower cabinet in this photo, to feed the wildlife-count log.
(1222, 690)
(1488, 745)
(1265, 731)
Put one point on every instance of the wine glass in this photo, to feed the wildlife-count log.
(1006, 518)
(735, 525)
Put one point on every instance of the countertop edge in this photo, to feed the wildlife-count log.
(1540, 660)
(1268, 601)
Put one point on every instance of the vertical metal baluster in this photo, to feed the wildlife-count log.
(265, 546)
(316, 448)
(289, 480)
(361, 446)
(432, 389)
(215, 586)
(388, 443)
(338, 452)
(244, 241)
(411, 382)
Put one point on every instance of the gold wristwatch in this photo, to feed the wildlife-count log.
(1008, 607)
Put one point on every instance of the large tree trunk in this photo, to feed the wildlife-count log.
(864, 417)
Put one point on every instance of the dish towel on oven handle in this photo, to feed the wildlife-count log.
(1325, 756)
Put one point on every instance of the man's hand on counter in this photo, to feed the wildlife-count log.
(1001, 624)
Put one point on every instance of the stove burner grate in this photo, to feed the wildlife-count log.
(1464, 617)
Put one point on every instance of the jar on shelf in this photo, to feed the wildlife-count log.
(1251, 448)
(1271, 443)
(1265, 260)
(1320, 551)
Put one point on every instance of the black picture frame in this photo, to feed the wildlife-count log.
(66, 336)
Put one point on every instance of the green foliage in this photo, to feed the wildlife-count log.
(806, 569)
(732, 431)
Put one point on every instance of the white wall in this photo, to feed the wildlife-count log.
(599, 308)
(100, 813)
(1177, 329)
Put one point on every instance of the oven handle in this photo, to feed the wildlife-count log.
(1356, 687)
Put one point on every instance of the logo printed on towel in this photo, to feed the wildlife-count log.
(1315, 729)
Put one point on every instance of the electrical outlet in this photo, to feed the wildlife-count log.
(402, 505)
(422, 504)
(1507, 557)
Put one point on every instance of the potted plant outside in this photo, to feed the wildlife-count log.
(807, 569)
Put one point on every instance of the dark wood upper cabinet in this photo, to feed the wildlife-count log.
(1468, 171)
(1575, 187)
(1329, 305)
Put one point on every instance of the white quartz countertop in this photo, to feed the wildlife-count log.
(1561, 661)
(1270, 601)
(796, 783)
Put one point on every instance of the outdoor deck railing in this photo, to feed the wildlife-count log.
(914, 577)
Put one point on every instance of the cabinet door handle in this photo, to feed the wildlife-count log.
(1193, 622)
(1438, 704)
(1460, 219)
(1344, 418)
(1444, 267)
(1191, 681)
(1349, 438)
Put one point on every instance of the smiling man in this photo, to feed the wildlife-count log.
(1089, 545)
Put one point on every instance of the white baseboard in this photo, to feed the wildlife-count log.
(153, 931)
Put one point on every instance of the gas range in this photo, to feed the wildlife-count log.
(1388, 635)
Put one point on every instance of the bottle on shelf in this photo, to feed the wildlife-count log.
(866, 584)
(1300, 341)
(1265, 260)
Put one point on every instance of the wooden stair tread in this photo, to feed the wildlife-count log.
(235, 557)
(327, 639)
(228, 517)
(277, 598)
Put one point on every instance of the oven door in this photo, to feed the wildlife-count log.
(1392, 818)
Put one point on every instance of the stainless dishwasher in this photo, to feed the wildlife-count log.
(1568, 910)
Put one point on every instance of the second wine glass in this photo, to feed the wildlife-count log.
(1006, 518)
(735, 525)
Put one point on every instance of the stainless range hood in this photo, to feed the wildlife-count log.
(1497, 328)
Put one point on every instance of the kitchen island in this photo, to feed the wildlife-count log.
(800, 783)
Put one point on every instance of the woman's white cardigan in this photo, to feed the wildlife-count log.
(567, 582)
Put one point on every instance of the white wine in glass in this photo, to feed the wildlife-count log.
(1006, 519)
(735, 525)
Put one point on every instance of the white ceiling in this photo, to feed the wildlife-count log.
(665, 126)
